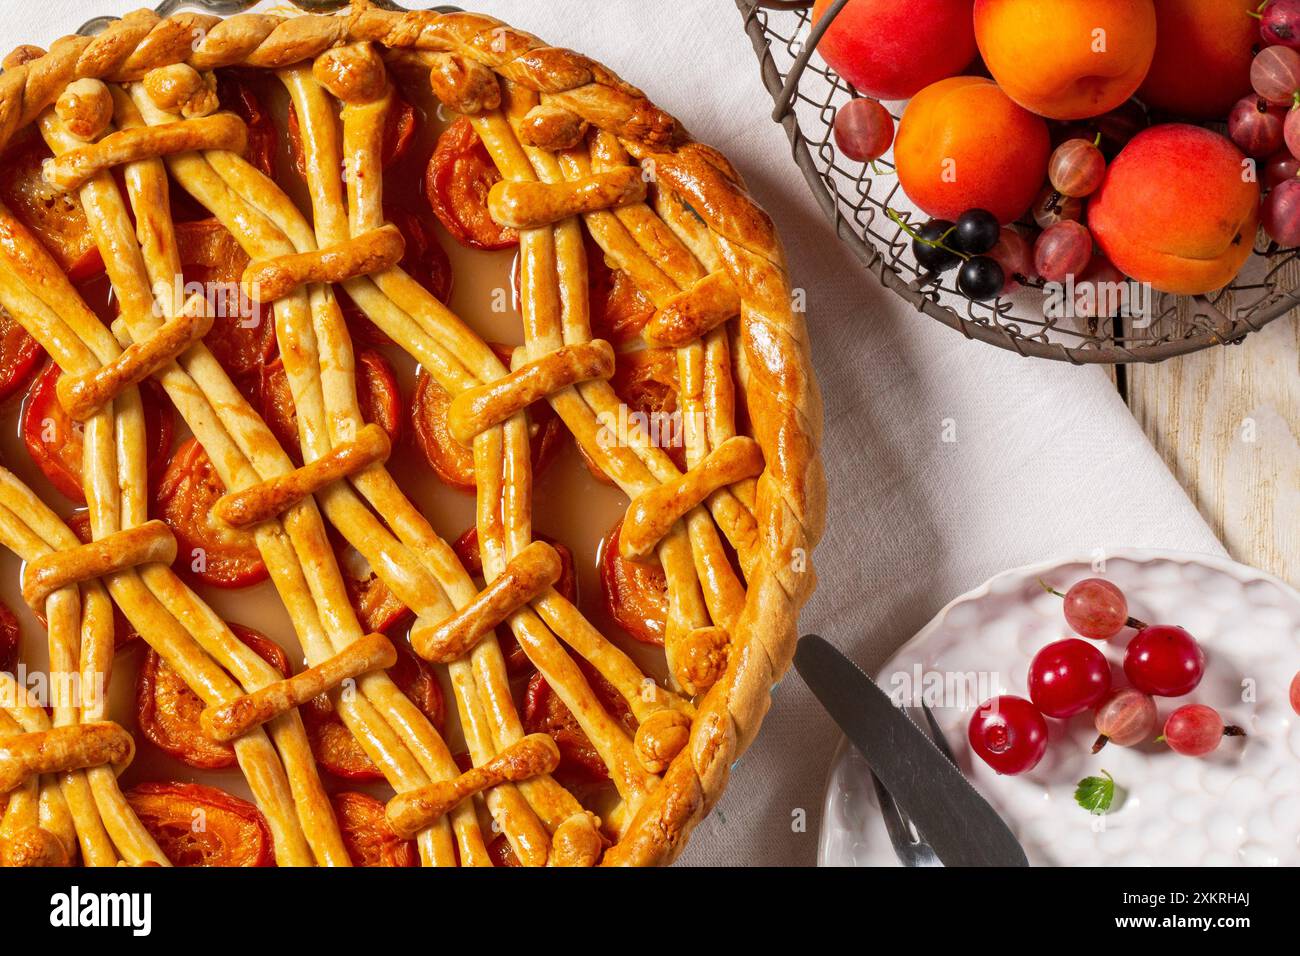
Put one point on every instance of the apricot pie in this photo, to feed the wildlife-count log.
(235, 240)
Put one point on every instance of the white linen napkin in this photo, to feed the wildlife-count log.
(947, 460)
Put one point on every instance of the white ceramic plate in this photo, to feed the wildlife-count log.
(1239, 806)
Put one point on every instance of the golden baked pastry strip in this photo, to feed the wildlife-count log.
(157, 604)
(239, 716)
(529, 757)
(23, 839)
(61, 749)
(478, 409)
(692, 313)
(149, 543)
(362, 124)
(74, 168)
(38, 827)
(272, 279)
(227, 185)
(391, 730)
(692, 642)
(79, 622)
(527, 205)
(446, 856)
(82, 395)
(274, 496)
(523, 580)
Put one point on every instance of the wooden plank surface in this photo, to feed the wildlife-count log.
(1227, 421)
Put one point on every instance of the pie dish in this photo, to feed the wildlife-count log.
(150, 132)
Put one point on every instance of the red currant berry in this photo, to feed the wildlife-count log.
(1076, 168)
(1164, 661)
(1295, 692)
(1257, 126)
(1279, 23)
(1051, 207)
(1280, 215)
(1062, 250)
(1016, 257)
(1279, 168)
(1067, 677)
(1009, 734)
(1291, 132)
(1275, 74)
(864, 130)
(1126, 717)
(1196, 730)
(1096, 608)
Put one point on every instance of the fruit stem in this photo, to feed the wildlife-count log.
(1232, 730)
(934, 243)
(1100, 742)
(1258, 12)
(1048, 588)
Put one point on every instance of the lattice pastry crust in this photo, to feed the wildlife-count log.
(576, 147)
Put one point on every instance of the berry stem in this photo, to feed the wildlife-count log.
(1232, 730)
(934, 243)
(1049, 589)
(1099, 743)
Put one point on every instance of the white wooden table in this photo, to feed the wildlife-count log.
(1227, 421)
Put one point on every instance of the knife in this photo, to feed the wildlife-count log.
(952, 817)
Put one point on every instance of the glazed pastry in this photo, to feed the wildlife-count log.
(583, 164)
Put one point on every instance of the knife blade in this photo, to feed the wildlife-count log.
(954, 819)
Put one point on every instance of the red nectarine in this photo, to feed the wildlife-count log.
(891, 49)
(1177, 209)
(1203, 54)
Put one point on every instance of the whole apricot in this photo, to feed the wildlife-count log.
(963, 144)
(1177, 209)
(1068, 59)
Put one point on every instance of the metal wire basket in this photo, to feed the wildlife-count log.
(856, 198)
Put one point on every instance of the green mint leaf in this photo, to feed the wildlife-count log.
(1095, 794)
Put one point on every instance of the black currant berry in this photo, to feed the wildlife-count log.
(981, 278)
(930, 257)
(977, 232)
